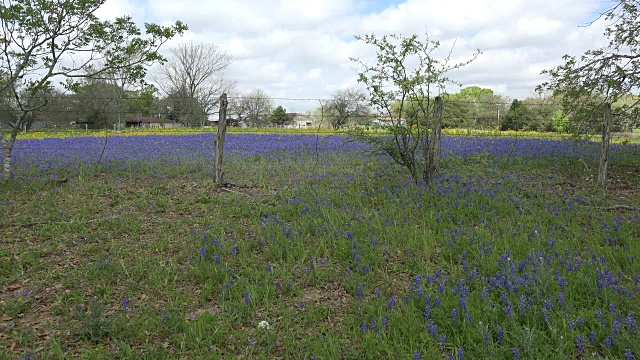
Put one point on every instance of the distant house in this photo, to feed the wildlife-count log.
(232, 120)
(150, 122)
(388, 121)
(299, 121)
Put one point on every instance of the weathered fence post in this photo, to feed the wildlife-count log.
(219, 142)
(433, 159)
(604, 152)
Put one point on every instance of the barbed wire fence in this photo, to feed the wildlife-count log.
(460, 118)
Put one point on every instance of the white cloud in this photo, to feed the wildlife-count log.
(301, 49)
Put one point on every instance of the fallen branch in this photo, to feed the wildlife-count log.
(619, 207)
(232, 191)
(91, 221)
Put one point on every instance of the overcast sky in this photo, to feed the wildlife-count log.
(301, 49)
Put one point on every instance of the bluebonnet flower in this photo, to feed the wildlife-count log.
(616, 325)
(384, 321)
(360, 292)
(463, 302)
(516, 353)
(374, 326)
(392, 303)
(460, 353)
(432, 329)
(609, 341)
(508, 309)
(268, 267)
(631, 323)
(579, 342)
(454, 314)
(363, 328)
(203, 251)
(427, 312)
(125, 303)
(500, 334)
(628, 355)
(416, 355)
(246, 297)
(443, 341)
(592, 337)
(522, 306)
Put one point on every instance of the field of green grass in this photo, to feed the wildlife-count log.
(317, 249)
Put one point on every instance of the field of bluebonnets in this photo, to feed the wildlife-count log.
(317, 249)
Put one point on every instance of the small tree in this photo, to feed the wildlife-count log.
(345, 105)
(516, 116)
(397, 88)
(193, 77)
(255, 106)
(603, 75)
(39, 35)
(279, 116)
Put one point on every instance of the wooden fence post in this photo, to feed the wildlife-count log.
(433, 158)
(219, 141)
(604, 152)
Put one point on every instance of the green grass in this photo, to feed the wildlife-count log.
(150, 266)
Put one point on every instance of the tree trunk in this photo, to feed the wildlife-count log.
(7, 147)
(432, 162)
(222, 130)
(604, 153)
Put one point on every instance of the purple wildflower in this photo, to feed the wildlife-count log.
(579, 342)
(616, 325)
(609, 341)
(392, 303)
(384, 321)
(628, 355)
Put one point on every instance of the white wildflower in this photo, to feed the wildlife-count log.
(263, 325)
